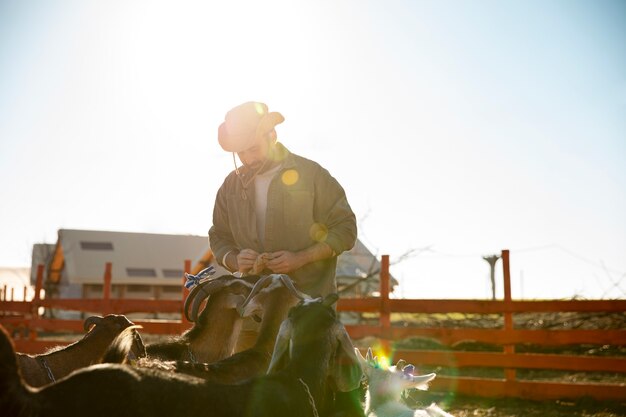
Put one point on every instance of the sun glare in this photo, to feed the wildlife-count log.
(290, 177)
(259, 108)
(383, 357)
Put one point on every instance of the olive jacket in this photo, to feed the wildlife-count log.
(305, 205)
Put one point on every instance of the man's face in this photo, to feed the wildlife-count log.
(257, 154)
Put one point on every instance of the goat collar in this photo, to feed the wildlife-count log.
(46, 368)
(192, 357)
(311, 399)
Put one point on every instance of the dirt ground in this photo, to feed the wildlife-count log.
(463, 406)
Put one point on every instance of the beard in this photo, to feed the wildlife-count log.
(262, 165)
(255, 166)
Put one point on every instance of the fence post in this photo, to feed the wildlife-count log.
(34, 309)
(106, 289)
(38, 284)
(509, 374)
(385, 315)
(185, 292)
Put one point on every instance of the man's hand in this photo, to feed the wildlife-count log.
(245, 260)
(284, 262)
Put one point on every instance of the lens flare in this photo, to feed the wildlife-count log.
(259, 108)
(290, 177)
(383, 355)
(318, 232)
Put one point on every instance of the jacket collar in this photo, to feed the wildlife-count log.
(288, 161)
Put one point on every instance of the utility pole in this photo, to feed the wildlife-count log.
(492, 264)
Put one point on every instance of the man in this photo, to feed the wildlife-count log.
(280, 212)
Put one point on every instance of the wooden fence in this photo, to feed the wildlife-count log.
(25, 315)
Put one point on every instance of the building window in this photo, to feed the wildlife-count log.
(138, 288)
(94, 287)
(141, 272)
(96, 245)
(171, 289)
(173, 273)
(92, 290)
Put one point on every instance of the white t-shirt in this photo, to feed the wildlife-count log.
(261, 187)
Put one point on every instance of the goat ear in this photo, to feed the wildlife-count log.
(346, 370)
(280, 356)
(421, 381)
(233, 300)
(92, 321)
(365, 366)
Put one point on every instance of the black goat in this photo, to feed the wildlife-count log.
(319, 348)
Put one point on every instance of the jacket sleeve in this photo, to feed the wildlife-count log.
(333, 212)
(221, 239)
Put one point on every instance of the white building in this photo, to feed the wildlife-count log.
(147, 265)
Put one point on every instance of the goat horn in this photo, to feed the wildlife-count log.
(288, 282)
(92, 320)
(330, 299)
(188, 301)
(138, 350)
(192, 295)
(207, 288)
(261, 283)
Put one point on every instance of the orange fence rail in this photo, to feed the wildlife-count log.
(24, 315)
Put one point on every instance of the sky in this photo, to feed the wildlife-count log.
(457, 128)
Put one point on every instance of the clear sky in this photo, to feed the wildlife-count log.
(457, 128)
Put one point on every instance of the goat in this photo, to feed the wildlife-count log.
(299, 345)
(340, 402)
(42, 369)
(383, 397)
(274, 295)
(311, 346)
(215, 331)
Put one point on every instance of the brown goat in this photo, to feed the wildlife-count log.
(312, 351)
(215, 331)
(42, 369)
(274, 295)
